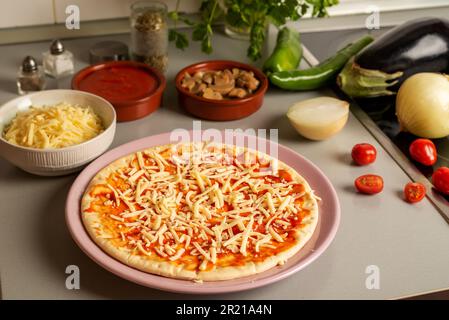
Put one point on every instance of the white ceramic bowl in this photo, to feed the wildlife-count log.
(55, 162)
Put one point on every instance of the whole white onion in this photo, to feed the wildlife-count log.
(422, 105)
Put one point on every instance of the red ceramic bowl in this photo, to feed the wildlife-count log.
(133, 88)
(220, 110)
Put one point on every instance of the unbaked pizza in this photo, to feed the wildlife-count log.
(200, 211)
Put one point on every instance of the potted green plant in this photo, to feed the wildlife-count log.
(245, 18)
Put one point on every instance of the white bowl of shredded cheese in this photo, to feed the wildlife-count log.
(55, 132)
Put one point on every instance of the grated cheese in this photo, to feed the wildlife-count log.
(180, 211)
(53, 127)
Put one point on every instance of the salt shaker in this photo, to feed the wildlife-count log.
(31, 77)
(57, 61)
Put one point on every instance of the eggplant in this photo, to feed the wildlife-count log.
(420, 45)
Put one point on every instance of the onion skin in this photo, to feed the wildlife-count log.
(422, 105)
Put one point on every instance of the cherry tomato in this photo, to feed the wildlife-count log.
(369, 184)
(423, 151)
(440, 179)
(414, 192)
(363, 154)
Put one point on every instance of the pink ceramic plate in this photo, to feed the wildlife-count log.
(327, 227)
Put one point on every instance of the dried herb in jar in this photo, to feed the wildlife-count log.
(149, 34)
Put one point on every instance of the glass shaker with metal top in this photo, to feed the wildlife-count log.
(31, 76)
(149, 34)
(58, 61)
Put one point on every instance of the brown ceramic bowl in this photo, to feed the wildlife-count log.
(133, 88)
(220, 110)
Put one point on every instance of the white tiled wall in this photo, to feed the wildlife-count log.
(18, 13)
(15, 13)
(109, 9)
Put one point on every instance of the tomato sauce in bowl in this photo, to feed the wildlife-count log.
(134, 89)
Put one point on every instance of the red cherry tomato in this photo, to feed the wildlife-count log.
(423, 151)
(440, 179)
(363, 154)
(369, 184)
(414, 192)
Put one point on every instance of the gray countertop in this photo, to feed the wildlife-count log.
(408, 243)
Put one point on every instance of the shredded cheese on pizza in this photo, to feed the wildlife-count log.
(200, 212)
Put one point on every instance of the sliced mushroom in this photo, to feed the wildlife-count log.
(221, 78)
(198, 76)
(247, 80)
(188, 82)
(208, 77)
(238, 93)
(235, 72)
(223, 82)
(198, 88)
(211, 94)
(224, 88)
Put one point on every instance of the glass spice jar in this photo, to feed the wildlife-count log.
(149, 34)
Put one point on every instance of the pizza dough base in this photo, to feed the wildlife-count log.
(156, 265)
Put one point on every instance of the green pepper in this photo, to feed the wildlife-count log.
(287, 54)
(320, 75)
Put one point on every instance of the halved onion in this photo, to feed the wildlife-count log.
(319, 118)
(422, 105)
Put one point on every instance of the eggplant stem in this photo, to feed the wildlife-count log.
(356, 81)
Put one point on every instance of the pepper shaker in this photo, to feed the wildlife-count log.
(58, 61)
(31, 77)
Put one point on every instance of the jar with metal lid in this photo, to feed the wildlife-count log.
(108, 51)
(149, 34)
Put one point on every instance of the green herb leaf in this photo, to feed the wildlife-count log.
(180, 39)
(235, 16)
(320, 6)
(210, 10)
(186, 21)
(251, 15)
(304, 8)
(199, 32)
(281, 11)
(206, 45)
(257, 39)
(173, 15)
(203, 32)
